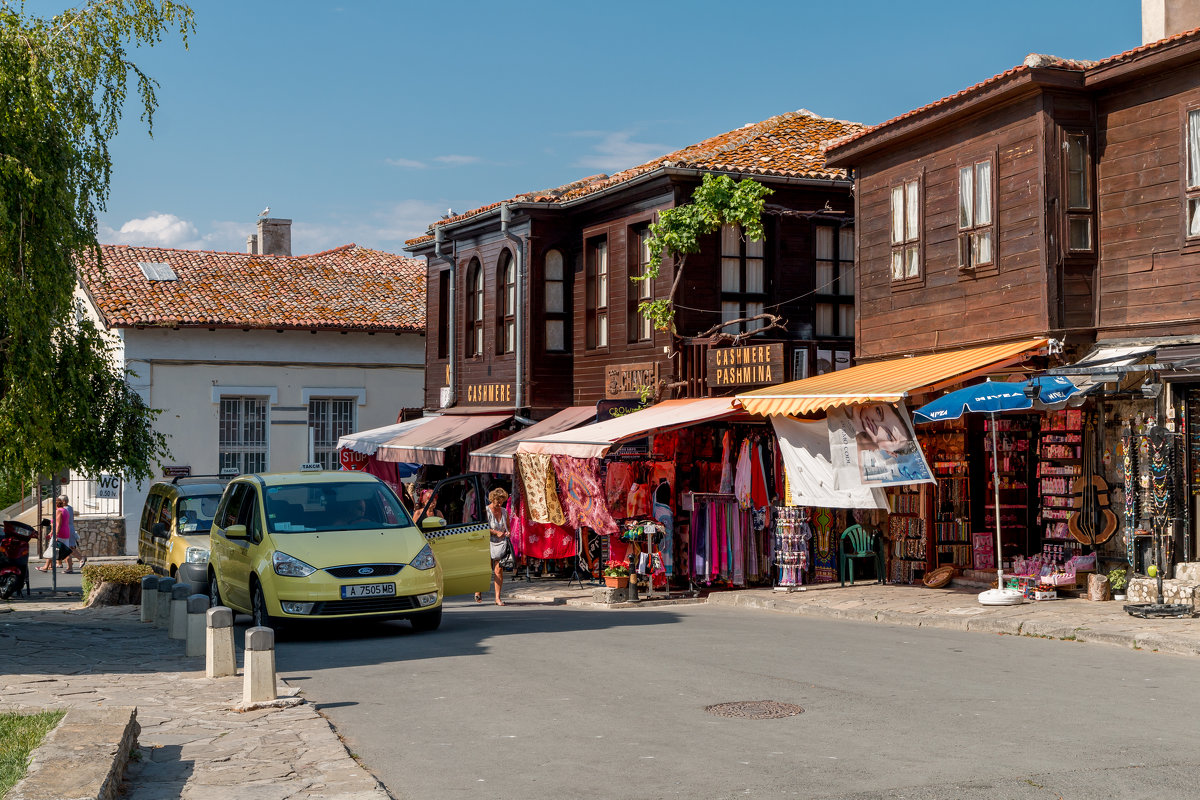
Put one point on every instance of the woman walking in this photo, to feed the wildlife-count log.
(64, 548)
(498, 522)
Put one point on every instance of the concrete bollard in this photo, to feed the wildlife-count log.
(258, 684)
(219, 659)
(194, 639)
(177, 624)
(162, 617)
(149, 597)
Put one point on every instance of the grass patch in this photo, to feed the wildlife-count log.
(20, 734)
(95, 574)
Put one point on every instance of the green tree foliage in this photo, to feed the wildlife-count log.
(63, 83)
(718, 200)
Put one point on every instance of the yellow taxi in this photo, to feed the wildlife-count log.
(173, 534)
(333, 545)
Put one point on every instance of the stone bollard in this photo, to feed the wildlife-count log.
(149, 597)
(162, 617)
(258, 684)
(177, 624)
(194, 638)
(219, 659)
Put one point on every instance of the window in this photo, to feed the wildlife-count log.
(1079, 193)
(835, 276)
(506, 286)
(906, 231)
(474, 309)
(976, 232)
(443, 329)
(1193, 174)
(597, 292)
(638, 326)
(330, 419)
(242, 440)
(743, 279)
(554, 281)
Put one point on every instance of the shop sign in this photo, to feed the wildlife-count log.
(747, 365)
(352, 460)
(108, 487)
(488, 394)
(181, 471)
(622, 381)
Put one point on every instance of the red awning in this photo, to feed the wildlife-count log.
(427, 443)
(498, 456)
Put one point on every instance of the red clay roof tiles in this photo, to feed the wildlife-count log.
(347, 288)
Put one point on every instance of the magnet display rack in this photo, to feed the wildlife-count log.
(1015, 438)
(1060, 463)
(952, 515)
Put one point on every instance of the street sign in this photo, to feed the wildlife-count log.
(177, 471)
(108, 487)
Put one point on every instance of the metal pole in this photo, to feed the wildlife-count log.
(996, 488)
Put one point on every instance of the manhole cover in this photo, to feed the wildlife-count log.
(755, 709)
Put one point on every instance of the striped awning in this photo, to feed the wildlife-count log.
(883, 381)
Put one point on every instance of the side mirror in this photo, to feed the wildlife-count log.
(159, 531)
(236, 532)
(432, 523)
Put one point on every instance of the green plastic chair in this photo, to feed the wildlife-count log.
(858, 542)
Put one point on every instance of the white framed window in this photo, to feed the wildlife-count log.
(555, 284)
(743, 278)
(976, 220)
(242, 441)
(1192, 194)
(638, 326)
(906, 231)
(1080, 226)
(329, 419)
(597, 292)
(506, 317)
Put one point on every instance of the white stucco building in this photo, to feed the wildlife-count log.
(261, 361)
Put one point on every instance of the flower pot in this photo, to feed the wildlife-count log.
(616, 582)
(1119, 595)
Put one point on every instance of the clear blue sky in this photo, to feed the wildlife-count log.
(364, 122)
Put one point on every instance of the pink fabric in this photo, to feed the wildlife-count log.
(638, 504)
(727, 457)
(616, 486)
(582, 494)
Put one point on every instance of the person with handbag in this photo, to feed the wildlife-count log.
(62, 550)
(500, 545)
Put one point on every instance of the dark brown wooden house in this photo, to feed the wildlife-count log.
(531, 307)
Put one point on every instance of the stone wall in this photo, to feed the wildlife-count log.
(100, 536)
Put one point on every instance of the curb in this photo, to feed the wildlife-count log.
(83, 758)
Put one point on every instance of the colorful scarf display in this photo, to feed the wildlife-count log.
(582, 494)
(539, 490)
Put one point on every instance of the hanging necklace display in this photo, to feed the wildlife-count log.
(1129, 444)
(1160, 444)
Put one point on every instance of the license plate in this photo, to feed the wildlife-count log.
(369, 590)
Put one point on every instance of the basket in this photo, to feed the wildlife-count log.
(937, 578)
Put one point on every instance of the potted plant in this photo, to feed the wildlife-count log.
(1118, 579)
(616, 574)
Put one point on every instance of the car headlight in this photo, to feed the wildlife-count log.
(424, 559)
(290, 567)
(196, 555)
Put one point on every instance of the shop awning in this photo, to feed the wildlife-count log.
(498, 456)
(883, 381)
(368, 442)
(427, 443)
(1105, 364)
(594, 441)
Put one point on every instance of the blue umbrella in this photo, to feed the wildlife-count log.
(992, 398)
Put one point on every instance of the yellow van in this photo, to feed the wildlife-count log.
(173, 534)
(330, 545)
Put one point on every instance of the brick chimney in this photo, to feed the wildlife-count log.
(274, 237)
(1163, 18)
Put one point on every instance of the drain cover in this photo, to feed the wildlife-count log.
(755, 709)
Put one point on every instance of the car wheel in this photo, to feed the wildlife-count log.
(214, 594)
(426, 621)
(258, 609)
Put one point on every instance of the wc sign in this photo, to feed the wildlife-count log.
(108, 486)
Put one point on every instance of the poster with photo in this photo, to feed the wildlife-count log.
(874, 444)
(824, 361)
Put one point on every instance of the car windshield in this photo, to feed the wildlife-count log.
(196, 512)
(333, 506)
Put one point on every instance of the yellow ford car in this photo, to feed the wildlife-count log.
(330, 545)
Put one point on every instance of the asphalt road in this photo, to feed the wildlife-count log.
(533, 702)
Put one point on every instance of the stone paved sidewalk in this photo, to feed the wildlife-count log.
(193, 745)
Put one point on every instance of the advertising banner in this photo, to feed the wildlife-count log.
(873, 444)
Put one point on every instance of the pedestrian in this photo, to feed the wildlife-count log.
(63, 550)
(498, 523)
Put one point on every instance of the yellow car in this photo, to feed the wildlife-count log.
(333, 545)
(173, 534)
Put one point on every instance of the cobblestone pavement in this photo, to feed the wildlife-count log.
(193, 745)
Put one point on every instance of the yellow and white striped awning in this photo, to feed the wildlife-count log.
(883, 381)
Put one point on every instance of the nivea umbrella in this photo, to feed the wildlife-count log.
(992, 398)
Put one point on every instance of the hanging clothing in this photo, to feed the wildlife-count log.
(665, 444)
(660, 471)
(582, 494)
(742, 479)
(618, 479)
(727, 464)
(638, 503)
(540, 491)
(666, 518)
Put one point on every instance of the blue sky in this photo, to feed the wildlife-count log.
(365, 121)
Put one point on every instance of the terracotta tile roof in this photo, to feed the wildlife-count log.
(790, 145)
(1032, 61)
(347, 288)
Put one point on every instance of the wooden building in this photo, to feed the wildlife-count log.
(1060, 198)
(530, 306)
